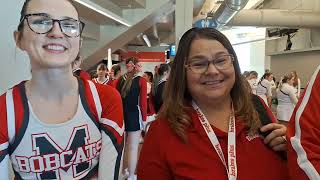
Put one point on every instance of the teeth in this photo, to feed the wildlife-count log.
(56, 47)
(212, 82)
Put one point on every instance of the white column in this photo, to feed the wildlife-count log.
(109, 59)
(184, 17)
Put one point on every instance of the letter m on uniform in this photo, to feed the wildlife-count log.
(54, 159)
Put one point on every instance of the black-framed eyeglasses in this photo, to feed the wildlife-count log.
(42, 23)
(201, 65)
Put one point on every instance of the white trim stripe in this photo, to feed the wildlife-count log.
(4, 146)
(10, 116)
(302, 159)
(113, 124)
(96, 98)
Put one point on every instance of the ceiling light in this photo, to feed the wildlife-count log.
(109, 14)
(146, 39)
(164, 45)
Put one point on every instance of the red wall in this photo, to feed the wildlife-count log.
(146, 56)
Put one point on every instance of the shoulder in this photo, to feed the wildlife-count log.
(14, 92)
(160, 130)
(105, 92)
(161, 125)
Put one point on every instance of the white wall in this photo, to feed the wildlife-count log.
(304, 63)
(14, 65)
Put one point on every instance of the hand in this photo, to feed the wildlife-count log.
(276, 139)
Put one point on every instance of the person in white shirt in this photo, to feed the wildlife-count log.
(287, 99)
(253, 81)
(264, 88)
(296, 83)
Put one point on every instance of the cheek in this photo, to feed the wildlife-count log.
(192, 81)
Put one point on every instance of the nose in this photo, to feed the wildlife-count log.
(212, 69)
(56, 31)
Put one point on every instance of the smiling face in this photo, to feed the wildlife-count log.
(270, 78)
(54, 49)
(213, 84)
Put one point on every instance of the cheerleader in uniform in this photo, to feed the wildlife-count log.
(264, 88)
(286, 99)
(102, 72)
(133, 90)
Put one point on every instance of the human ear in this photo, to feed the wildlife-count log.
(17, 37)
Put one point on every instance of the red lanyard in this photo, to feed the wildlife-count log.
(231, 168)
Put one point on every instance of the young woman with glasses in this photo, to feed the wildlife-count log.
(208, 127)
(56, 126)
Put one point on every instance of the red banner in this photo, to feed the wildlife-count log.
(146, 56)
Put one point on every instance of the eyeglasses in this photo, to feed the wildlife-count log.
(200, 65)
(42, 23)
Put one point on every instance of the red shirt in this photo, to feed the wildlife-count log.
(165, 156)
(303, 134)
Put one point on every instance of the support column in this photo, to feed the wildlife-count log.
(184, 17)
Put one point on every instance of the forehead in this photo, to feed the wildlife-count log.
(206, 47)
(56, 8)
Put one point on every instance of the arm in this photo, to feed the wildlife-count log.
(268, 111)
(143, 98)
(299, 88)
(158, 97)
(304, 132)
(269, 94)
(4, 144)
(152, 162)
(85, 75)
(112, 131)
(293, 96)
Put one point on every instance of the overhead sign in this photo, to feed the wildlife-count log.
(146, 56)
(203, 23)
(172, 50)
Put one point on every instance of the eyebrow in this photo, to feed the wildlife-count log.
(202, 56)
(48, 15)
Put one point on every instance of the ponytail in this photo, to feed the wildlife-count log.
(126, 80)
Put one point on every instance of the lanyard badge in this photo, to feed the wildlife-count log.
(231, 167)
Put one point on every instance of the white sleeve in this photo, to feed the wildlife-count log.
(269, 89)
(292, 95)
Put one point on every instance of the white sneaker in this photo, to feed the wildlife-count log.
(133, 177)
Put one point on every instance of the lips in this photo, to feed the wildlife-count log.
(213, 84)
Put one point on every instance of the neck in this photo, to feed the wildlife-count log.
(102, 78)
(217, 112)
(52, 83)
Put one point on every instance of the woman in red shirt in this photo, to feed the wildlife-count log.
(208, 127)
